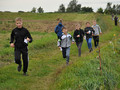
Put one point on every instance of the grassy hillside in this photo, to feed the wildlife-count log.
(47, 69)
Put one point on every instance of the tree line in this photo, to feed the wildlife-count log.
(74, 6)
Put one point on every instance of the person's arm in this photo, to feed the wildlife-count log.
(74, 35)
(93, 31)
(59, 43)
(72, 39)
(29, 37)
(56, 31)
(85, 32)
(12, 39)
(99, 29)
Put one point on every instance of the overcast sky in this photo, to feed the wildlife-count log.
(49, 5)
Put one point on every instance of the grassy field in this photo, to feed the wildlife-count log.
(47, 69)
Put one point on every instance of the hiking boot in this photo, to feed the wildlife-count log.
(91, 49)
(19, 67)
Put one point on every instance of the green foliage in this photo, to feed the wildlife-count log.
(112, 10)
(87, 9)
(47, 70)
(33, 10)
(73, 6)
(61, 8)
(100, 10)
(40, 10)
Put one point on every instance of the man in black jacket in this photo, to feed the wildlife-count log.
(21, 36)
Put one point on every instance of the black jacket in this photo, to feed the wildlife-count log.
(78, 32)
(19, 34)
(91, 32)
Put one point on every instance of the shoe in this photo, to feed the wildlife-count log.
(67, 63)
(91, 49)
(19, 67)
(25, 74)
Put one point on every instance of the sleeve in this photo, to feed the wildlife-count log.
(12, 37)
(58, 43)
(85, 32)
(29, 36)
(74, 35)
(56, 31)
(93, 31)
(72, 39)
(99, 29)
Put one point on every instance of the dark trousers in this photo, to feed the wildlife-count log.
(96, 40)
(115, 23)
(79, 45)
(24, 53)
(66, 53)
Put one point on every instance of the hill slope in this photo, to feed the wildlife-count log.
(47, 69)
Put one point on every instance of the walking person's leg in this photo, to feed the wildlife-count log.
(25, 59)
(90, 44)
(67, 55)
(97, 41)
(79, 48)
(18, 59)
(64, 52)
(94, 38)
(87, 43)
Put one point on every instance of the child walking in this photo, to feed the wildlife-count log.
(78, 36)
(20, 37)
(98, 31)
(65, 44)
(89, 31)
(58, 29)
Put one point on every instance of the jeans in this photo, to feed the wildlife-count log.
(89, 43)
(66, 53)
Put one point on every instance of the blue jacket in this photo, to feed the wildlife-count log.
(58, 29)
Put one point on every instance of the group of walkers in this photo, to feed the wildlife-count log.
(20, 37)
(64, 38)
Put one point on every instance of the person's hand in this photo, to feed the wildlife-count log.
(59, 47)
(28, 39)
(73, 42)
(78, 35)
(12, 45)
(101, 33)
(87, 32)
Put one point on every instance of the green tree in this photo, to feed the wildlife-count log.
(78, 8)
(33, 10)
(72, 6)
(87, 9)
(108, 9)
(40, 10)
(100, 10)
(61, 8)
